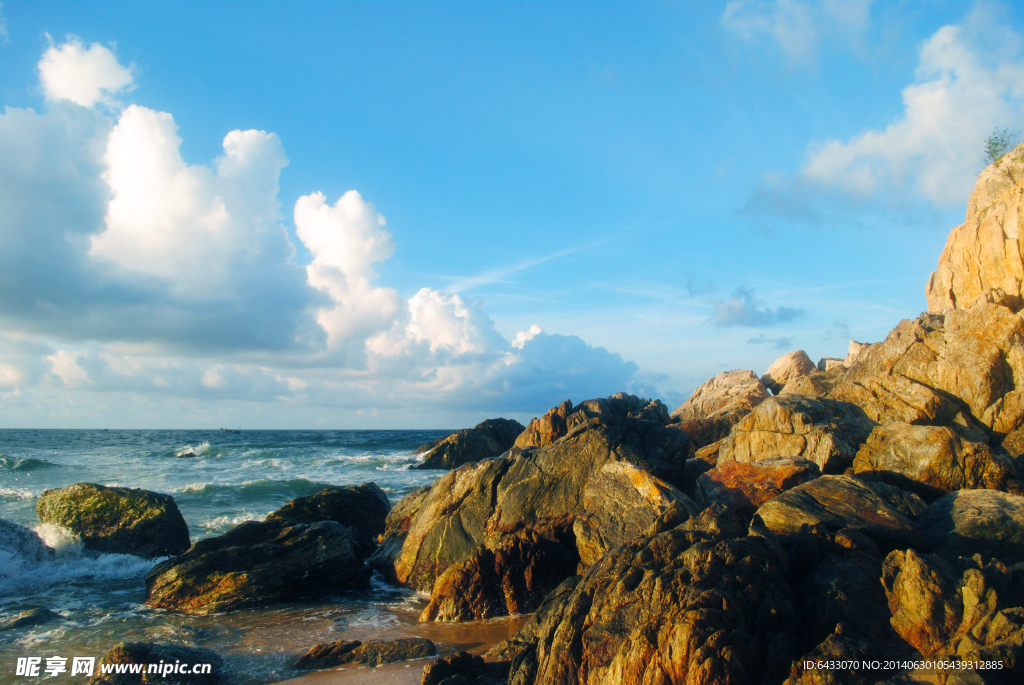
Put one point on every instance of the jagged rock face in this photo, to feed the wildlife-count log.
(361, 507)
(825, 431)
(787, 368)
(259, 563)
(743, 487)
(836, 502)
(540, 489)
(563, 419)
(483, 441)
(982, 259)
(619, 503)
(372, 653)
(727, 393)
(934, 460)
(153, 653)
(936, 367)
(117, 520)
(969, 522)
(702, 603)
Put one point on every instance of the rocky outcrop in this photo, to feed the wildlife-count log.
(563, 419)
(982, 259)
(785, 369)
(836, 502)
(159, 653)
(373, 653)
(743, 487)
(363, 508)
(259, 563)
(969, 522)
(830, 363)
(701, 602)
(619, 503)
(483, 441)
(463, 668)
(117, 520)
(546, 429)
(824, 431)
(934, 460)
(727, 393)
(29, 619)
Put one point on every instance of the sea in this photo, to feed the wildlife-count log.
(219, 479)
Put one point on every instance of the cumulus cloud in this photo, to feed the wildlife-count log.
(85, 76)
(969, 81)
(745, 309)
(799, 27)
(522, 337)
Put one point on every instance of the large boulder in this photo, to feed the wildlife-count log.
(363, 507)
(29, 619)
(259, 563)
(982, 259)
(743, 487)
(170, 655)
(546, 429)
(836, 502)
(934, 460)
(701, 602)
(372, 653)
(117, 520)
(484, 440)
(969, 522)
(727, 393)
(563, 419)
(787, 368)
(619, 503)
(825, 431)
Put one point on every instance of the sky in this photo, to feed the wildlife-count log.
(420, 215)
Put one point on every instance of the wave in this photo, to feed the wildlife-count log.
(253, 490)
(200, 450)
(15, 493)
(26, 464)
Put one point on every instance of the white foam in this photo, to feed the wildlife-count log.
(192, 487)
(15, 493)
(61, 540)
(223, 522)
(200, 450)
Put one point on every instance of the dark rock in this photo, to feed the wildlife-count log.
(372, 653)
(483, 441)
(704, 432)
(463, 668)
(362, 507)
(21, 543)
(836, 502)
(154, 653)
(970, 522)
(907, 503)
(117, 520)
(256, 564)
(743, 487)
(27, 619)
(525, 639)
(563, 419)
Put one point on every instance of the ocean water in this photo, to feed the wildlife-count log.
(218, 480)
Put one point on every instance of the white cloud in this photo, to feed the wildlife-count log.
(65, 366)
(522, 337)
(970, 80)
(799, 26)
(85, 76)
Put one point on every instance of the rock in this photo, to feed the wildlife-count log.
(923, 600)
(829, 363)
(705, 432)
(525, 639)
(837, 502)
(619, 503)
(743, 487)
(699, 603)
(117, 520)
(256, 564)
(816, 383)
(362, 507)
(934, 460)
(563, 419)
(547, 429)
(155, 653)
(907, 503)
(786, 368)
(463, 668)
(483, 441)
(825, 431)
(540, 489)
(854, 352)
(513, 579)
(20, 544)
(372, 653)
(982, 259)
(30, 618)
(839, 647)
(969, 522)
(729, 392)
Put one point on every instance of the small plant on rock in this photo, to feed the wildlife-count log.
(998, 144)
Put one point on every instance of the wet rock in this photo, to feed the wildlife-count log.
(825, 431)
(727, 393)
(23, 544)
(483, 441)
(836, 502)
(154, 653)
(30, 618)
(699, 603)
(785, 369)
(463, 668)
(361, 507)
(619, 503)
(970, 522)
(563, 419)
(743, 487)
(934, 460)
(372, 653)
(259, 563)
(525, 639)
(117, 520)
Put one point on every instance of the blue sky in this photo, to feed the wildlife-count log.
(549, 202)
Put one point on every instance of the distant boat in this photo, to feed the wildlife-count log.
(230, 430)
